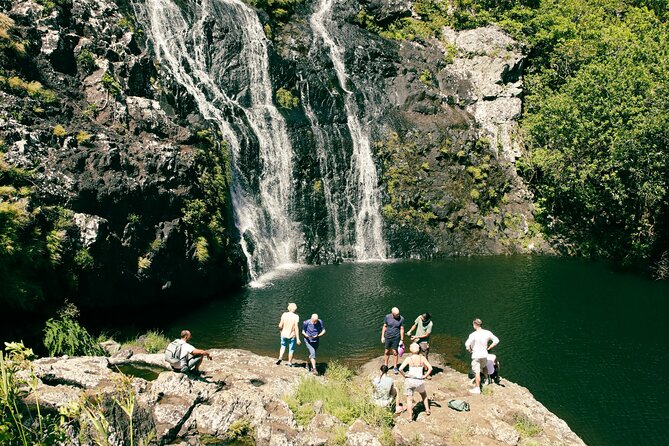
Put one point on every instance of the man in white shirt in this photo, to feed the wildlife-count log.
(191, 357)
(477, 345)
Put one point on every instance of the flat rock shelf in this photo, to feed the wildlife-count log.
(242, 387)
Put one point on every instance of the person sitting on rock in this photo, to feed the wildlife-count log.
(191, 357)
(384, 392)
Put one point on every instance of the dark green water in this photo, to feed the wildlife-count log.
(589, 343)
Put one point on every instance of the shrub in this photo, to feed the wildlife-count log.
(155, 341)
(83, 138)
(341, 397)
(86, 62)
(59, 131)
(286, 99)
(64, 335)
(17, 381)
(525, 427)
(110, 84)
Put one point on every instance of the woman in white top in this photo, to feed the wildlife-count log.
(419, 369)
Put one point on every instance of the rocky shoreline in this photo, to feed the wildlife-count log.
(242, 388)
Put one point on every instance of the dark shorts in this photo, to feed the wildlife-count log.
(392, 344)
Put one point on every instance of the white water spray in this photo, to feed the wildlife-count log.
(269, 235)
(369, 242)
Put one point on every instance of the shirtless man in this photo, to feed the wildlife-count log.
(290, 334)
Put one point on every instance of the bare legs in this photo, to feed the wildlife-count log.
(386, 356)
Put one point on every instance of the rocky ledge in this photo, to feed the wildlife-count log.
(244, 389)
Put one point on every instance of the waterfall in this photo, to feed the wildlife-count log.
(262, 190)
(362, 181)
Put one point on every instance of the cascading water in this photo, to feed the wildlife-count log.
(362, 181)
(262, 183)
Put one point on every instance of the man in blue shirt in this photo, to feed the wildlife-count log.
(312, 330)
(392, 334)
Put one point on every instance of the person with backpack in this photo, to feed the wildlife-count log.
(478, 345)
(183, 357)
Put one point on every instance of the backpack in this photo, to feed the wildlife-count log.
(173, 353)
(459, 405)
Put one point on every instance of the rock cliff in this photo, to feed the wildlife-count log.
(243, 389)
(301, 139)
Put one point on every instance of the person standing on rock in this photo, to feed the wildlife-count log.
(191, 357)
(419, 369)
(290, 334)
(423, 327)
(312, 330)
(392, 334)
(478, 345)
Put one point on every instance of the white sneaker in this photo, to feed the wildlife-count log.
(475, 390)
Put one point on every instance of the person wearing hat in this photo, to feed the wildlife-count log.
(423, 327)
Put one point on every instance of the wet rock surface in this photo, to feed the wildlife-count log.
(241, 387)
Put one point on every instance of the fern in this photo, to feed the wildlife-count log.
(64, 336)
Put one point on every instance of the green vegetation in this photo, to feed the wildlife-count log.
(59, 131)
(286, 99)
(31, 249)
(92, 419)
(204, 214)
(278, 10)
(64, 335)
(152, 341)
(401, 160)
(17, 381)
(595, 115)
(110, 84)
(86, 62)
(342, 398)
(33, 89)
(83, 138)
(525, 427)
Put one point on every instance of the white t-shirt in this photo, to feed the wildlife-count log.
(478, 341)
(290, 321)
(186, 349)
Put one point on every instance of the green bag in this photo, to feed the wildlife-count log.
(459, 405)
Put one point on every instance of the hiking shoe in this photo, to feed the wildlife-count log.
(475, 390)
(278, 361)
(396, 370)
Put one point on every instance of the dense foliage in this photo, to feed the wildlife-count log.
(595, 117)
(65, 336)
(93, 420)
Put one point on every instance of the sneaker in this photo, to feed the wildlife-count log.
(289, 364)
(315, 372)
(475, 390)
(396, 370)
(278, 361)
